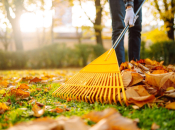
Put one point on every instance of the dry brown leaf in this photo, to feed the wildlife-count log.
(170, 76)
(154, 126)
(136, 78)
(114, 121)
(130, 92)
(152, 62)
(154, 79)
(24, 87)
(19, 93)
(126, 77)
(101, 125)
(143, 67)
(37, 124)
(140, 101)
(97, 116)
(123, 66)
(118, 122)
(141, 90)
(35, 80)
(75, 123)
(57, 110)
(38, 111)
(170, 106)
(170, 93)
(159, 72)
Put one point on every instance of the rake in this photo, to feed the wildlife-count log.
(98, 81)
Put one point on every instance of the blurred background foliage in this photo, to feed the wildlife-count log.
(83, 26)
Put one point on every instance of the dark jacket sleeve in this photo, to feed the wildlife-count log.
(129, 3)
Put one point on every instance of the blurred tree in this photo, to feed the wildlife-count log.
(166, 11)
(5, 36)
(13, 9)
(17, 7)
(97, 23)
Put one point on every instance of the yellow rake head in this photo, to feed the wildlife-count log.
(99, 81)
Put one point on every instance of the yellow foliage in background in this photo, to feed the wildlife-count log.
(156, 35)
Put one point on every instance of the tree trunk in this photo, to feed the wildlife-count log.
(97, 24)
(98, 34)
(17, 34)
(170, 29)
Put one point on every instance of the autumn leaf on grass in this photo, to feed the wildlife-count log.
(154, 126)
(3, 108)
(57, 110)
(35, 80)
(126, 77)
(75, 123)
(24, 87)
(114, 121)
(38, 111)
(3, 84)
(19, 93)
(96, 116)
(170, 106)
(136, 78)
(37, 124)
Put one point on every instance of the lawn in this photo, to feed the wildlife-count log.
(42, 83)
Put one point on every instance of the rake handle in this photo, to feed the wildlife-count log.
(125, 29)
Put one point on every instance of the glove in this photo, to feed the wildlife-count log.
(130, 17)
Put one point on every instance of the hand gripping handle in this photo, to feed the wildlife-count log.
(122, 34)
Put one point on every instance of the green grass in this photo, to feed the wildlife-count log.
(161, 116)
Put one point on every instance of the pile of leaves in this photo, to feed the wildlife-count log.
(149, 82)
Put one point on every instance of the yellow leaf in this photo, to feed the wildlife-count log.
(38, 111)
(170, 106)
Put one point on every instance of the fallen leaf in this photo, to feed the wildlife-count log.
(130, 92)
(3, 84)
(57, 110)
(140, 101)
(24, 87)
(126, 78)
(75, 123)
(170, 106)
(154, 126)
(135, 107)
(38, 111)
(96, 116)
(154, 79)
(136, 78)
(141, 90)
(37, 124)
(159, 72)
(35, 80)
(170, 93)
(3, 108)
(114, 122)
